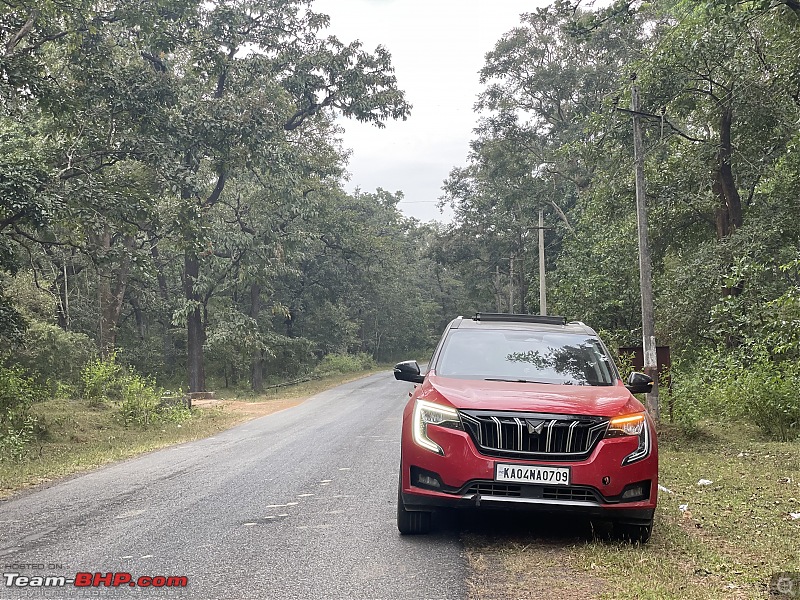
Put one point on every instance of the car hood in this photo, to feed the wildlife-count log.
(605, 401)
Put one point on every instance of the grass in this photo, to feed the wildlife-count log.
(80, 436)
(728, 542)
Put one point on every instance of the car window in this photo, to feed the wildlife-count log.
(515, 355)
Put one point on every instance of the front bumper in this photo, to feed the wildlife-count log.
(533, 498)
(465, 479)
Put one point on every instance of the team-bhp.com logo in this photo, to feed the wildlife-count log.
(89, 580)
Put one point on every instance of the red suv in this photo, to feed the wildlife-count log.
(526, 412)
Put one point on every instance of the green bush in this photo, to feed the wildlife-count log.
(17, 427)
(345, 363)
(767, 394)
(140, 400)
(177, 413)
(748, 386)
(16, 389)
(54, 357)
(102, 380)
(288, 357)
(624, 362)
(688, 397)
(138, 397)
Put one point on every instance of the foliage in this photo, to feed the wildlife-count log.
(53, 355)
(17, 434)
(345, 363)
(140, 401)
(163, 170)
(719, 91)
(18, 428)
(103, 380)
(17, 390)
(12, 322)
(745, 386)
(138, 398)
(767, 394)
(180, 197)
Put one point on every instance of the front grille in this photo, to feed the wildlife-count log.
(534, 435)
(568, 493)
(534, 492)
(489, 488)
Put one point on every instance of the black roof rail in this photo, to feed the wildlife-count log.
(512, 318)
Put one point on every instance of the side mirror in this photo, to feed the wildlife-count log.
(639, 383)
(408, 370)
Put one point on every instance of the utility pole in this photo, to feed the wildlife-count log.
(542, 286)
(511, 285)
(497, 297)
(645, 266)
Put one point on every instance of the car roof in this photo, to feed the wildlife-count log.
(521, 323)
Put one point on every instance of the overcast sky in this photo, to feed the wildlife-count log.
(437, 48)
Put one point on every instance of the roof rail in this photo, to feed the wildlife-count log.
(512, 318)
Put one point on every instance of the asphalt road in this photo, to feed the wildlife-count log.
(298, 504)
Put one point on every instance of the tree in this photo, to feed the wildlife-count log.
(147, 107)
(258, 78)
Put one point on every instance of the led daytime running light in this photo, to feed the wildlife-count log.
(426, 413)
(632, 425)
(629, 425)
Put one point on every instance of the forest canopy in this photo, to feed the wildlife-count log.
(172, 192)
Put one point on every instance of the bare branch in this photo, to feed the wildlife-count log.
(22, 33)
(562, 216)
(667, 121)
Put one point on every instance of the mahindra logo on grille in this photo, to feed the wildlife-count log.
(535, 427)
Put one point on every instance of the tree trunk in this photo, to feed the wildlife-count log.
(728, 215)
(167, 345)
(112, 282)
(141, 328)
(195, 329)
(257, 370)
(60, 288)
(196, 319)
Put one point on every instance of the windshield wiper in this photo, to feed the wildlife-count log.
(513, 380)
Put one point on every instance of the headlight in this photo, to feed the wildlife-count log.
(428, 413)
(631, 425)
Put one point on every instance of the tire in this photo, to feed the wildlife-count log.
(635, 534)
(411, 522)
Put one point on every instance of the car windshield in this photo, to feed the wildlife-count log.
(525, 356)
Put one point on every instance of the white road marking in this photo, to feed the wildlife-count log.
(130, 513)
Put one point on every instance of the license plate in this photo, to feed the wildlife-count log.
(532, 474)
